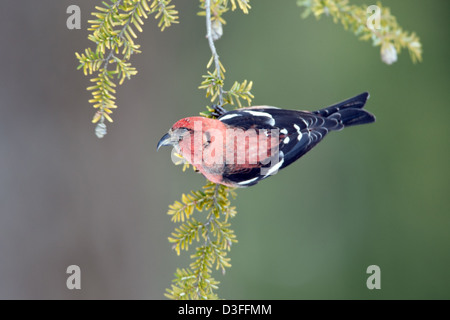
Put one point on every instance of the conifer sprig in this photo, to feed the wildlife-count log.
(214, 238)
(388, 35)
(114, 30)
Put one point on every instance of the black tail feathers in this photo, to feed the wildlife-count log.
(352, 117)
(349, 112)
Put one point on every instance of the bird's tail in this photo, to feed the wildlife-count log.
(349, 112)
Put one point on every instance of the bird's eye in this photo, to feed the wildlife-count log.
(180, 132)
(207, 138)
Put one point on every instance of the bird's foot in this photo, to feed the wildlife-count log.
(218, 110)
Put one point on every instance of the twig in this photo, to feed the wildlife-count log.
(213, 47)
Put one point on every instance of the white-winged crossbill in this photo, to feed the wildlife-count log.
(243, 146)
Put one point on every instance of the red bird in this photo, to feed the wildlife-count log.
(243, 146)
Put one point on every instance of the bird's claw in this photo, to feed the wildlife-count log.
(218, 110)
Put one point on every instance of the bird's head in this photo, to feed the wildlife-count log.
(189, 134)
(177, 134)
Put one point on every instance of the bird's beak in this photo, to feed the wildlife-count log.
(166, 140)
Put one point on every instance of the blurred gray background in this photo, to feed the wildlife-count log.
(377, 194)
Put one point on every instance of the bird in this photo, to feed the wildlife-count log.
(242, 147)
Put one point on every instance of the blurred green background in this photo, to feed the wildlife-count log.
(377, 194)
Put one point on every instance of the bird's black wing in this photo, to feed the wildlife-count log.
(298, 132)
